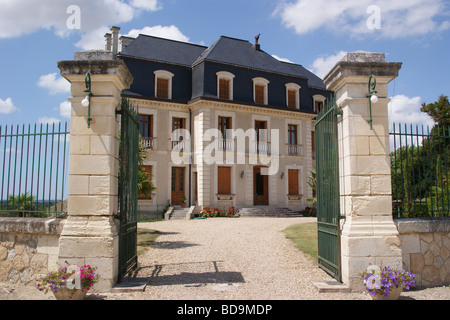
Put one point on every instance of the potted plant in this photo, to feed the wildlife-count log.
(385, 283)
(183, 201)
(69, 282)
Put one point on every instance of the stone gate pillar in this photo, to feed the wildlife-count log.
(369, 234)
(90, 235)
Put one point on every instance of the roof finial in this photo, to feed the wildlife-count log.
(256, 45)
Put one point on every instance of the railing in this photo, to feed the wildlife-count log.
(420, 169)
(33, 164)
(179, 145)
(225, 144)
(261, 147)
(149, 143)
(295, 150)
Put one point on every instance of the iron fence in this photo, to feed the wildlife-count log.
(33, 164)
(420, 171)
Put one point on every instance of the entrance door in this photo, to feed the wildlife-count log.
(177, 185)
(260, 188)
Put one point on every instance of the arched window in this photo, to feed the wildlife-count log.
(225, 85)
(163, 84)
(293, 95)
(260, 90)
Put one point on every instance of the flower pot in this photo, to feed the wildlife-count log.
(64, 293)
(395, 294)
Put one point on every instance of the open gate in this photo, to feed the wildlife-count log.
(327, 185)
(128, 184)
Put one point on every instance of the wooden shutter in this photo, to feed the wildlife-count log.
(259, 94)
(224, 89)
(224, 180)
(292, 99)
(162, 89)
(293, 182)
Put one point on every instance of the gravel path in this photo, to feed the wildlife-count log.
(226, 259)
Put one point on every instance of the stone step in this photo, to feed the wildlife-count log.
(269, 212)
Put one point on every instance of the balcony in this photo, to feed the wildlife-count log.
(295, 150)
(179, 145)
(149, 143)
(225, 144)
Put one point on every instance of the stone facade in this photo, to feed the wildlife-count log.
(426, 249)
(368, 233)
(28, 248)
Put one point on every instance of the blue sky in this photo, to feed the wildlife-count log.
(34, 35)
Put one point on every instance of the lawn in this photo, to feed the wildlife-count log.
(145, 238)
(304, 237)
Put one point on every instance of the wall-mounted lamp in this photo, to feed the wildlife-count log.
(282, 175)
(86, 102)
(242, 174)
(372, 97)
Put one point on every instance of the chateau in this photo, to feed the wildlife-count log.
(224, 125)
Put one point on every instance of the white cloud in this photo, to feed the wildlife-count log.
(322, 65)
(19, 17)
(7, 106)
(65, 109)
(53, 84)
(399, 19)
(281, 59)
(48, 120)
(149, 5)
(94, 39)
(168, 32)
(403, 109)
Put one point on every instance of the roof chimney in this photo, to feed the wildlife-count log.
(256, 45)
(115, 40)
(108, 42)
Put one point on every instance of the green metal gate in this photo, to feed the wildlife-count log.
(128, 195)
(327, 184)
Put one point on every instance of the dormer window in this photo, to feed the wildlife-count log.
(225, 85)
(318, 101)
(260, 90)
(163, 84)
(293, 96)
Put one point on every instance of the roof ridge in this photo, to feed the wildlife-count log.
(172, 40)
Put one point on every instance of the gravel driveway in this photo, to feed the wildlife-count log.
(227, 259)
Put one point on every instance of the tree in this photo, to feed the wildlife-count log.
(439, 111)
(145, 184)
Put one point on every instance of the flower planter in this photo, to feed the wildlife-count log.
(64, 293)
(395, 294)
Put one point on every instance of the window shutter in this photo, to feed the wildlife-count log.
(259, 94)
(224, 180)
(162, 90)
(224, 89)
(292, 99)
(293, 182)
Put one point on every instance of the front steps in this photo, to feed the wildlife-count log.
(179, 213)
(264, 211)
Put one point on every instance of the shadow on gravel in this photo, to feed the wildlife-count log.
(191, 277)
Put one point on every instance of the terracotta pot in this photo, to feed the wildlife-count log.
(395, 294)
(64, 293)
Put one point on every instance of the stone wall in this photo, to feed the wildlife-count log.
(29, 248)
(425, 245)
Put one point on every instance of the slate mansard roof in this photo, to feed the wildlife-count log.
(230, 52)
